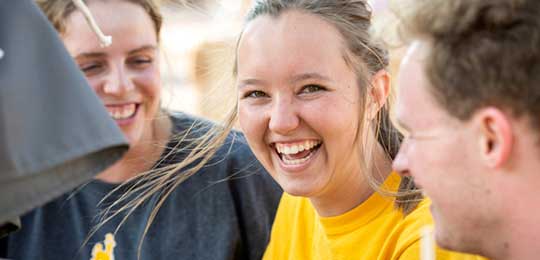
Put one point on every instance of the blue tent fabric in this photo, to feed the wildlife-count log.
(54, 132)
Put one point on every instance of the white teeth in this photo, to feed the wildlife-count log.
(288, 150)
(296, 161)
(295, 148)
(121, 112)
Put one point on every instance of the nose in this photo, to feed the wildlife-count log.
(118, 82)
(400, 163)
(284, 117)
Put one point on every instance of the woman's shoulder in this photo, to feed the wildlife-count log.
(232, 159)
(192, 129)
(183, 122)
(192, 126)
(407, 229)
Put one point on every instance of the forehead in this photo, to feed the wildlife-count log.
(292, 40)
(128, 23)
(415, 105)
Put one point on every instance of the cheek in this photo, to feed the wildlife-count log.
(252, 124)
(435, 164)
(149, 84)
(444, 155)
(338, 125)
(95, 83)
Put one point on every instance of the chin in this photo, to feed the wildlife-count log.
(296, 192)
(441, 238)
(449, 239)
(133, 137)
(298, 189)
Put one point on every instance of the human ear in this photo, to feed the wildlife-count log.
(379, 92)
(496, 136)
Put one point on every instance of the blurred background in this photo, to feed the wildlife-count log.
(198, 40)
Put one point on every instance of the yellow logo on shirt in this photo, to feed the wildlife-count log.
(98, 253)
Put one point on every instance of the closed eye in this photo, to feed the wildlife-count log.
(91, 68)
(140, 62)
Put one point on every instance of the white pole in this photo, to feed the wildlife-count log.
(427, 244)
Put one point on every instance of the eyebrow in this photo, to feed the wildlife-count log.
(90, 55)
(307, 76)
(246, 82)
(101, 54)
(295, 79)
(143, 48)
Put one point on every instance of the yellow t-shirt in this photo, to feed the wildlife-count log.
(374, 230)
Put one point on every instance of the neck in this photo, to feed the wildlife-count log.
(354, 190)
(526, 247)
(521, 237)
(519, 231)
(351, 194)
(141, 157)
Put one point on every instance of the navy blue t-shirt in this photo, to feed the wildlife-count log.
(224, 211)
